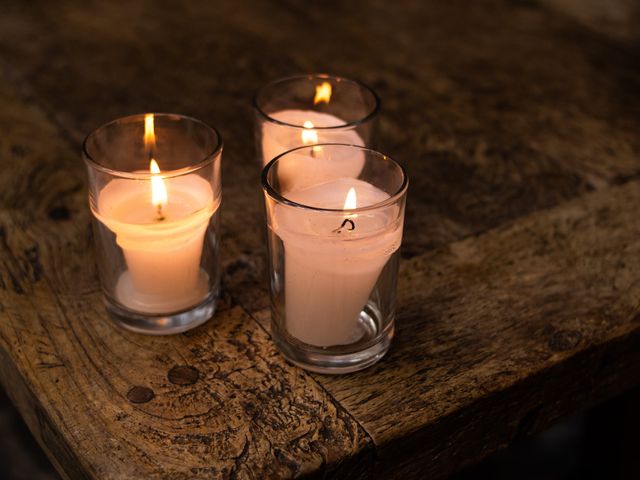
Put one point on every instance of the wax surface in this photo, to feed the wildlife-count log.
(328, 275)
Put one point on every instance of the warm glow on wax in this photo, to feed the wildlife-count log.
(309, 136)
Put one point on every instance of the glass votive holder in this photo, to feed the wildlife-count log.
(312, 109)
(155, 193)
(335, 217)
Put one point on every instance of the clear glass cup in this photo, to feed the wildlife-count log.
(312, 109)
(335, 216)
(155, 193)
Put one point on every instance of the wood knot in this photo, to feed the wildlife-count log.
(183, 375)
(140, 395)
(59, 213)
(564, 340)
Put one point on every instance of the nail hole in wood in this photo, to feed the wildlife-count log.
(183, 375)
(140, 395)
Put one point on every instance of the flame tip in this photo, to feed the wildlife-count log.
(323, 93)
(351, 202)
(159, 195)
(149, 132)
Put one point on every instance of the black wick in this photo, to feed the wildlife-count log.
(160, 215)
(346, 221)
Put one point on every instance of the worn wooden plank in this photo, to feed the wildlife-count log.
(502, 334)
(218, 402)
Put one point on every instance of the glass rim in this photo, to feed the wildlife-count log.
(197, 165)
(347, 125)
(278, 197)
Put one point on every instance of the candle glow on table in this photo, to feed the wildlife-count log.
(160, 223)
(332, 262)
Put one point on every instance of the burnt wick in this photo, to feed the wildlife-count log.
(347, 221)
(159, 214)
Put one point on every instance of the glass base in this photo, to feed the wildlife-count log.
(152, 324)
(135, 301)
(372, 341)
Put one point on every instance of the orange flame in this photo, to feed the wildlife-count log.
(149, 133)
(159, 195)
(351, 202)
(323, 93)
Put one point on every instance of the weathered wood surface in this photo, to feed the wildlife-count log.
(507, 332)
(511, 120)
(218, 402)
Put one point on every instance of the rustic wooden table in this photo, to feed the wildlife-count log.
(520, 280)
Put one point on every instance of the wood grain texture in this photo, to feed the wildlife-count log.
(502, 334)
(218, 402)
(498, 109)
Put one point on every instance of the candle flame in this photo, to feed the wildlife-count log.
(158, 189)
(149, 133)
(308, 135)
(323, 93)
(351, 202)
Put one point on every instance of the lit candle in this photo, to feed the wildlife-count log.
(332, 261)
(296, 128)
(160, 223)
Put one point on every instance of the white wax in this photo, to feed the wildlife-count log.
(329, 276)
(278, 138)
(163, 257)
